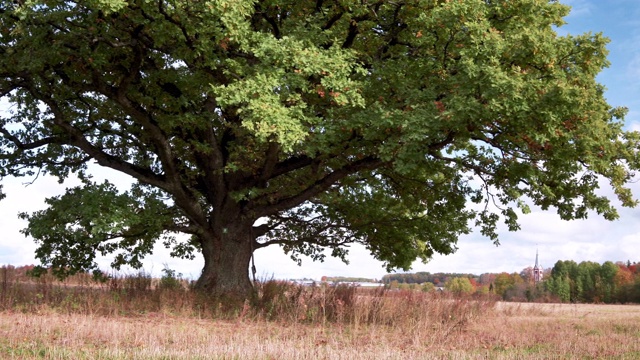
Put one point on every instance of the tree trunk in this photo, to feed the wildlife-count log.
(227, 254)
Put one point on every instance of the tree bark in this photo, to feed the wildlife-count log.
(227, 253)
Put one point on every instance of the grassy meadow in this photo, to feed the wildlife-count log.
(136, 317)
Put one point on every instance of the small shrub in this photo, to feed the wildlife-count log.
(170, 280)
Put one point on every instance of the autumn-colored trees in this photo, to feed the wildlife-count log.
(592, 282)
(567, 281)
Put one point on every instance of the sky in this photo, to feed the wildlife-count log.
(594, 239)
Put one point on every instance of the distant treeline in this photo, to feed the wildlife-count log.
(590, 282)
(332, 279)
(567, 281)
(437, 279)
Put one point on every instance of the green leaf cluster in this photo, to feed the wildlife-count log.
(92, 220)
(398, 125)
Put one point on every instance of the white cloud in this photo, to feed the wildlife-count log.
(629, 245)
(579, 8)
(633, 67)
(632, 121)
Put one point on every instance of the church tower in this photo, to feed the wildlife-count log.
(537, 270)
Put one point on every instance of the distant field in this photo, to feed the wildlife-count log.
(504, 331)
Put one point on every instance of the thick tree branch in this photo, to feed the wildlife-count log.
(212, 183)
(173, 181)
(351, 34)
(163, 10)
(271, 160)
(315, 239)
(77, 139)
(31, 145)
(291, 164)
(319, 186)
(261, 230)
(269, 19)
(332, 21)
(193, 230)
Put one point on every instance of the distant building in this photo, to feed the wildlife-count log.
(537, 270)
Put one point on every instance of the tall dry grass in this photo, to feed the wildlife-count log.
(354, 306)
(279, 301)
(322, 317)
(134, 317)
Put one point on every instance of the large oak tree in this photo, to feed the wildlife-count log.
(306, 124)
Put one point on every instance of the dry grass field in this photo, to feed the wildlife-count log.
(509, 331)
(287, 322)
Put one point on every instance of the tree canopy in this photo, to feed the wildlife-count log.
(459, 285)
(304, 124)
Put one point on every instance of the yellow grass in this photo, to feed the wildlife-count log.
(524, 331)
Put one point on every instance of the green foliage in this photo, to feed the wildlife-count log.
(170, 280)
(459, 285)
(589, 282)
(95, 219)
(346, 279)
(423, 277)
(502, 283)
(374, 122)
(427, 287)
